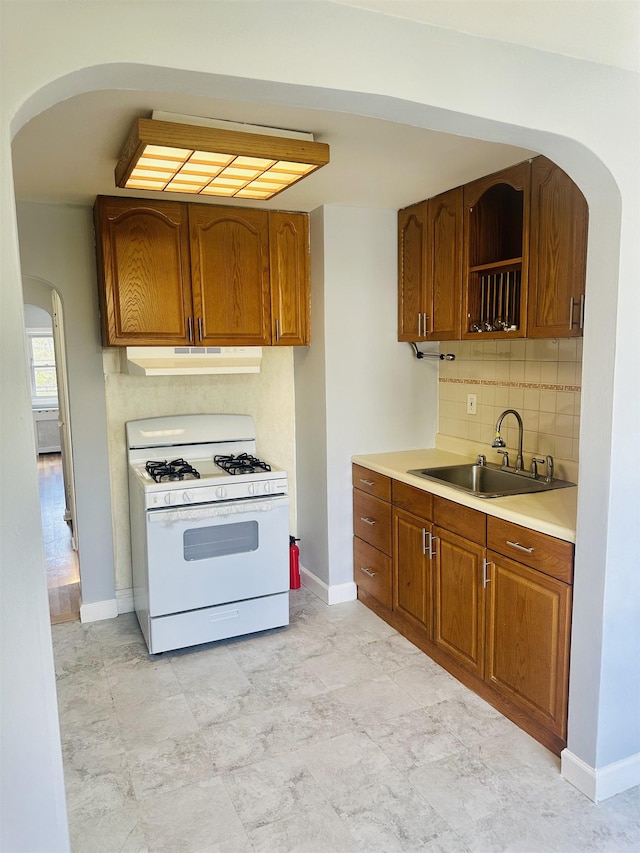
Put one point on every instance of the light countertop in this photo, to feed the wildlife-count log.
(553, 513)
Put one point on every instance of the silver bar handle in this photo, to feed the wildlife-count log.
(369, 521)
(190, 328)
(367, 482)
(419, 324)
(424, 540)
(432, 546)
(277, 330)
(425, 325)
(200, 329)
(485, 575)
(520, 547)
(367, 571)
(582, 311)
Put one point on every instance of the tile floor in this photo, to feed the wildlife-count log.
(335, 734)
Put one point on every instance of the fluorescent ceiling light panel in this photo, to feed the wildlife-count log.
(175, 157)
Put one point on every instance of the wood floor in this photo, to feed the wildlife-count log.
(63, 575)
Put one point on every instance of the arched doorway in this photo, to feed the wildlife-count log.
(44, 331)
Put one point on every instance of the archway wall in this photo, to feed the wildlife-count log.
(582, 115)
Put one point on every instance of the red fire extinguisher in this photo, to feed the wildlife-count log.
(294, 563)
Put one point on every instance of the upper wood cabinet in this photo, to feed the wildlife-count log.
(289, 265)
(430, 268)
(501, 257)
(143, 272)
(172, 273)
(230, 275)
(558, 253)
(496, 249)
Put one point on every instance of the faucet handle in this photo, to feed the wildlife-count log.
(534, 466)
(481, 459)
(505, 458)
(549, 476)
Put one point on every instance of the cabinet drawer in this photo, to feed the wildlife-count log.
(372, 571)
(466, 522)
(372, 520)
(552, 556)
(372, 483)
(412, 500)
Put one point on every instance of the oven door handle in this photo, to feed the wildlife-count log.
(203, 512)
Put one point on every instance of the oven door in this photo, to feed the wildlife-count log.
(198, 556)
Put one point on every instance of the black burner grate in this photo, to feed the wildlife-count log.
(165, 471)
(243, 463)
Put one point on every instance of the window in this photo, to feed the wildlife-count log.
(42, 362)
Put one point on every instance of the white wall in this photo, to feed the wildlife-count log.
(357, 389)
(582, 115)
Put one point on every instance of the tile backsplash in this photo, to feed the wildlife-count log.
(541, 379)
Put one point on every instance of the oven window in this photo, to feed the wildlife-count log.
(220, 540)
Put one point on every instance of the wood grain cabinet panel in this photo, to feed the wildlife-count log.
(430, 269)
(558, 253)
(143, 271)
(547, 554)
(412, 569)
(230, 275)
(372, 520)
(528, 618)
(178, 274)
(289, 278)
(372, 571)
(369, 481)
(459, 600)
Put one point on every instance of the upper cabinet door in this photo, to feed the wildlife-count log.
(143, 271)
(289, 272)
(412, 272)
(558, 254)
(444, 266)
(230, 275)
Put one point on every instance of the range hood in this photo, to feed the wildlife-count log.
(183, 361)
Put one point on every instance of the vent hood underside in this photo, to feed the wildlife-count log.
(183, 361)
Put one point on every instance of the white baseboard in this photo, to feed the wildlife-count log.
(335, 594)
(600, 784)
(124, 599)
(95, 611)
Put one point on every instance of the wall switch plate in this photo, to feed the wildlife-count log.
(472, 404)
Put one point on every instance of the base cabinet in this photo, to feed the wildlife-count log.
(528, 617)
(488, 600)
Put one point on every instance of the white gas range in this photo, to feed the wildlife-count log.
(210, 547)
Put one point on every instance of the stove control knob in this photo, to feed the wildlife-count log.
(169, 498)
(186, 497)
(251, 488)
(267, 487)
(221, 492)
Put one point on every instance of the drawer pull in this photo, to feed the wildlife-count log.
(520, 547)
(367, 482)
(367, 521)
(367, 572)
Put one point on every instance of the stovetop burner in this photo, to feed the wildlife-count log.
(177, 469)
(243, 463)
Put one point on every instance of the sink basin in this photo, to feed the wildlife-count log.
(488, 481)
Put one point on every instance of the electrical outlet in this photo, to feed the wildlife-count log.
(472, 404)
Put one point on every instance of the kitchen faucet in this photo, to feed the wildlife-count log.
(499, 441)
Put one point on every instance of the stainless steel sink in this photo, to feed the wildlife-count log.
(488, 481)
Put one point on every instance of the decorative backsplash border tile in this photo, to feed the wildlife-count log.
(507, 384)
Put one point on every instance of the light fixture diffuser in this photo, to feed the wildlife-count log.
(164, 156)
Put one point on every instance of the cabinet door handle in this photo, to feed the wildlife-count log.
(485, 573)
(520, 547)
(367, 521)
(190, 328)
(277, 330)
(419, 324)
(367, 572)
(425, 325)
(582, 311)
(200, 329)
(432, 547)
(367, 482)
(424, 541)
